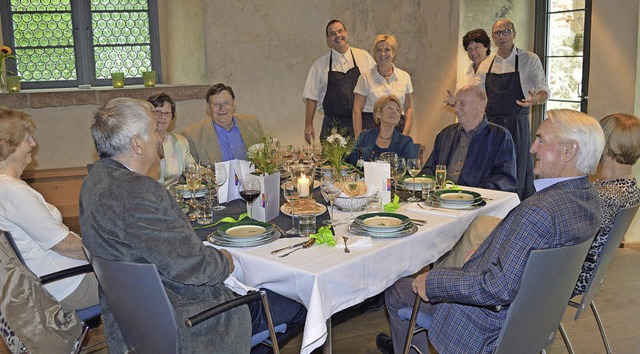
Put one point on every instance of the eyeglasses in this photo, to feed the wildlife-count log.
(161, 113)
(503, 32)
(218, 105)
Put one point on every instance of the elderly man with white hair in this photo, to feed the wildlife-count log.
(127, 216)
(564, 211)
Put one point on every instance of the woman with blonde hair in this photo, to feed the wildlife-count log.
(384, 137)
(384, 79)
(44, 242)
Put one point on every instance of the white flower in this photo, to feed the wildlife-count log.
(342, 141)
(255, 150)
(336, 138)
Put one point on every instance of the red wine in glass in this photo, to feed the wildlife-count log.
(250, 195)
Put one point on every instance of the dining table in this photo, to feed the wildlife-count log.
(326, 279)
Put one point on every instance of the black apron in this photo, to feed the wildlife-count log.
(502, 91)
(338, 100)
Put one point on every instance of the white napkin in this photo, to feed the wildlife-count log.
(237, 287)
(355, 242)
(377, 176)
(434, 211)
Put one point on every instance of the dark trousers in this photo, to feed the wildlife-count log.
(283, 310)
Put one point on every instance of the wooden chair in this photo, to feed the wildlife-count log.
(618, 230)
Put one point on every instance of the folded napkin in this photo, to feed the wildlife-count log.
(236, 286)
(355, 242)
(393, 205)
(434, 211)
(225, 219)
(324, 235)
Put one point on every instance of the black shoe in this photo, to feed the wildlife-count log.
(384, 343)
(372, 304)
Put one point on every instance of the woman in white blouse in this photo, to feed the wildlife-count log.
(44, 242)
(176, 148)
(382, 80)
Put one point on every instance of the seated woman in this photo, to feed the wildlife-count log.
(384, 138)
(45, 243)
(616, 184)
(176, 148)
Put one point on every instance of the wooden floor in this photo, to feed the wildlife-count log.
(618, 303)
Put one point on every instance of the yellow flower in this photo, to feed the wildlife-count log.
(5, 50)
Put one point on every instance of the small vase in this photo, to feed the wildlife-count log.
(3, 77)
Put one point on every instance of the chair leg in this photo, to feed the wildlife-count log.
(412, 324)
(83, 336)
(605, 340)
(272, 332)
(565, 338)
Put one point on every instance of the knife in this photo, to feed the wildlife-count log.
(306, 244)
(278, 228)
(288, 247)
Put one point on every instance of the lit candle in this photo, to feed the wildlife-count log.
(303, 186)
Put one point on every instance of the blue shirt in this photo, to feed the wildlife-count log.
(231, 143)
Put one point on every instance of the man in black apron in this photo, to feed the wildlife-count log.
(508, 105)
(337, 99)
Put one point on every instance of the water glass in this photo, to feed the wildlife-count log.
(307, 225)
(428, 187)
(204, 212)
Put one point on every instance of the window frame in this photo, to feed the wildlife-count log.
(83, 46)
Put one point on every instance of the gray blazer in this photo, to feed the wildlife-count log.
(203, 140)
(130, 217)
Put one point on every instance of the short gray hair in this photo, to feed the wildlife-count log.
(116, 122)
(583, 128)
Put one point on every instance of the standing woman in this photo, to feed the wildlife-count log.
(176, 148)
(478, 47)
(382, 80)
(45, 243)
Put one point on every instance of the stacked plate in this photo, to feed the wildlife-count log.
(244, 233)
(408, 182)
(200, 192)
(382, 225)
(460, 199)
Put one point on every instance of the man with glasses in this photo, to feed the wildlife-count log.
(226, 135)
(514, 81)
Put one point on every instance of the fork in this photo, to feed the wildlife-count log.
(346, 249)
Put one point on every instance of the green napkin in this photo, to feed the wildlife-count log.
(393, 205)
(449, 185)
(324, 235)
(225, 219)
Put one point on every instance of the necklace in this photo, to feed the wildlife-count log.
(384, 137)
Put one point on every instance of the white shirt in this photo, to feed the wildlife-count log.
(544, 183)
(373, 86)
(532, 76)
(467, 78)
(316, 86)
(36, 226)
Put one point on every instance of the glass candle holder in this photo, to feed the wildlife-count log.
(117, 80)
(303, 175)
(13, 83)
(149, 78)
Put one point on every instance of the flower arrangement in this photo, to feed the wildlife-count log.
(262, 155)
(334, 149)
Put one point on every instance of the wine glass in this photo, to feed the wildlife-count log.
(219, 178)
(291, 194)
(309, 150)
(352, 185)
(249, 191)
(441, 175)
(295, 154)
(392, 159)
(400, 170)
(206, 172)
(330, 192)
(414, 166)
(192, 175)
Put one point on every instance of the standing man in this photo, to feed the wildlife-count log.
(331, 81)
(514, 81)
(564, 211)
(226, 135)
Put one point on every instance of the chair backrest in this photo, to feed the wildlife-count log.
(620, 226)
(536, 312)
(13, 245)
(139, 304)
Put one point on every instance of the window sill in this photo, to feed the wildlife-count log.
(43, 98)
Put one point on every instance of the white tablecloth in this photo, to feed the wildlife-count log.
(327, 280)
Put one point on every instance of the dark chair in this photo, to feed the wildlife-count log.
(145, 315)
(89, 317)
(618, 230)
(536, 311)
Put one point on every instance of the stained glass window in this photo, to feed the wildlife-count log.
(69, 42)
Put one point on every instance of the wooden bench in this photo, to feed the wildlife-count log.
(60, 187)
